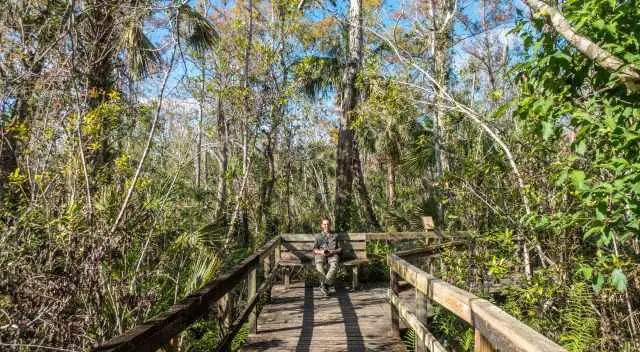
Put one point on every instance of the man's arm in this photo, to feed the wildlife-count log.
(338, 249)
(316, 247)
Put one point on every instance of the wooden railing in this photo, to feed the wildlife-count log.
(494, 329)
(157, 332)
(384, 236)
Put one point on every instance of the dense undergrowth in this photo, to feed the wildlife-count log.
(148, 146)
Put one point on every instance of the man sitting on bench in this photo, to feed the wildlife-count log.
(326, 250)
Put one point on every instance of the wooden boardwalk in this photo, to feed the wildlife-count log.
(302, 319)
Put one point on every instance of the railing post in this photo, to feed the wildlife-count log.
(481, 344)
(427, 222)
(395, 316)
(266, 265)
(225, 310)
(252, 288)
(287, 278)
(422, 304)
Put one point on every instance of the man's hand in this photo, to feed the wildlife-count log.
(322, 252)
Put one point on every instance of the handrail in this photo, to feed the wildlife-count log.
(244, 316)
(431, 249)
(388, 236)
(156, 332)
(494, 329)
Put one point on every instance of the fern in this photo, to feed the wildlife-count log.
(467, 340)
(579, 320)
(409, 339)
(240, 338)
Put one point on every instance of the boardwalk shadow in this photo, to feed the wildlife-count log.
(355, 341)
(304, 342)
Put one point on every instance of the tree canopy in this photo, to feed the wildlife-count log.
(148, 145)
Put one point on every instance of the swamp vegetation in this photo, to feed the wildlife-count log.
(148, 145)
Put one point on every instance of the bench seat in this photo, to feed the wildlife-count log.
(297, 250)
(350, 262)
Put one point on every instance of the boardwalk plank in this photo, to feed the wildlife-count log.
(302, 319)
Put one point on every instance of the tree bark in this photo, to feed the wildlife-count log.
(442, 13)
(344, 154)
(266, 191)
(391, 183)
(245, 138)
(101, 35)
(365, 200)
(288, 168)
(282, 12)
(8, 155)
(200, 118)
(265, 213)
(11, 144)
(223, 136)
(629, 74)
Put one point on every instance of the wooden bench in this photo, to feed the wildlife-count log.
(297, 250)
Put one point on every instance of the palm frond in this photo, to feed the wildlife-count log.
(318, 76)
(140, 54)
(196, 29)
(420, 155)
(203, 269)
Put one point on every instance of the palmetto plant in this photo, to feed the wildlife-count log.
(319, 75)
(189, 25)
(203, 261)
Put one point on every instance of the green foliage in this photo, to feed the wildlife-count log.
(409, 339)
(450, 331)
(196, 28)
(601, 171)
(319, 76)
(141, 54)
(572, 129)
(579, 320)
(532, 302)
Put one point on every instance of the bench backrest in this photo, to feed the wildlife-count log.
(299, 247)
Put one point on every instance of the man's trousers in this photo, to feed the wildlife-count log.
(326, 277)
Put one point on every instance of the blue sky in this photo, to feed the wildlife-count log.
(184, 68)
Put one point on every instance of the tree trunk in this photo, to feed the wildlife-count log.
(282, 13)
(223, 136)
(206, 168)
(287, 186)
(200, 118)
(344, 154)
(362, 190)
(265, 213)
(11, 144)
(102, 34)
(8, 154)
(442, 13)
(241, 207)
(391, 183)
(266, 192)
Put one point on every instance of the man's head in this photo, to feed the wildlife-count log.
(325, 224)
